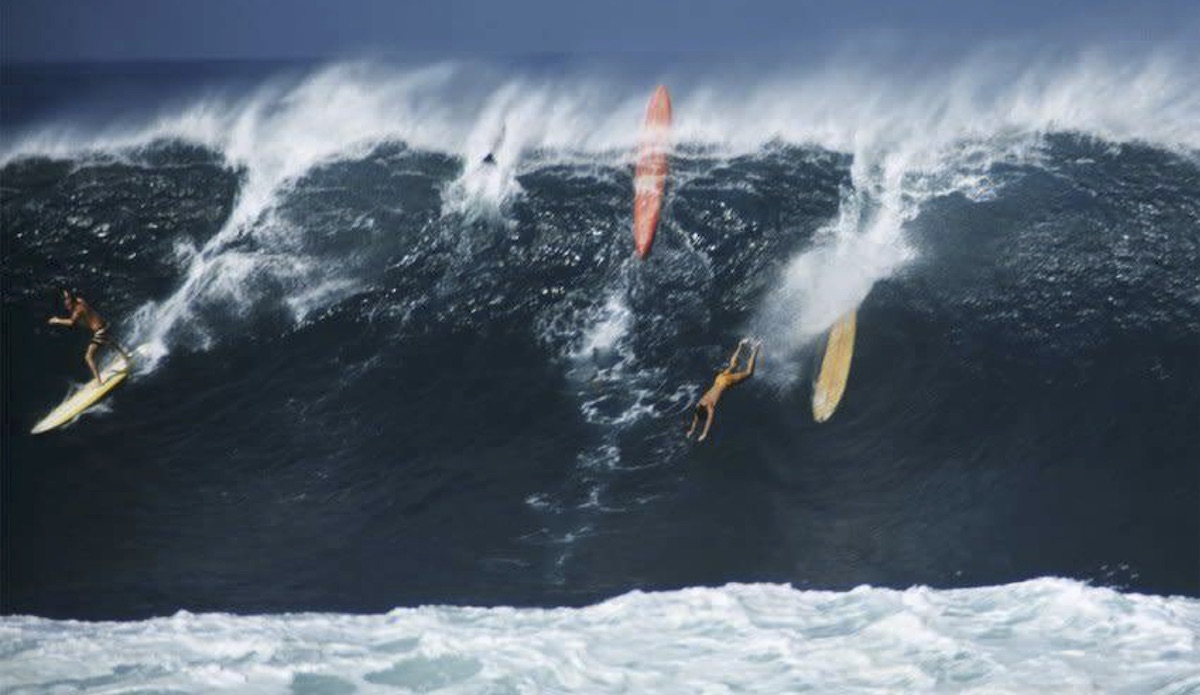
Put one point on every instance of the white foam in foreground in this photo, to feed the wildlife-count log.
(1041, 636)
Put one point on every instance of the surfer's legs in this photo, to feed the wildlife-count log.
(707, 424)
(100, 339)
(90, 358)
(124, 353)
(733, 359)
(702, 410)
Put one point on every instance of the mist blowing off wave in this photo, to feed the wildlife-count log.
(907, 142)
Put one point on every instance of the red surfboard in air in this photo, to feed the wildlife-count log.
(650, 177)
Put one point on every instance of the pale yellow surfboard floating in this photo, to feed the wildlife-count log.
(114, 372)
(835, 368)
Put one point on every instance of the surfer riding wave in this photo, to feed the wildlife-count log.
(80, 312)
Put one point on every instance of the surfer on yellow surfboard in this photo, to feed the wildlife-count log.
(81, 313)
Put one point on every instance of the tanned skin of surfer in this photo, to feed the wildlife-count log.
(728, 377)
(82, 313)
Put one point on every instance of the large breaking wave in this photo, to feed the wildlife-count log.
(402, 362)
(909, 138)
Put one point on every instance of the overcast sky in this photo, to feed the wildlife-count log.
(87, 30)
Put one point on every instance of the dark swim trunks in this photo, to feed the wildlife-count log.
(100, 337)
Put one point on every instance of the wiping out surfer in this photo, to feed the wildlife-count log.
(728, 377)
(490, 158)
(81, 313)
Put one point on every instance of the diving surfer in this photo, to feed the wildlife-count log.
(728, 377)
(491, 155)
(81, 312)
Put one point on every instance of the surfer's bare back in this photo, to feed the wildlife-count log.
(80, 312)
(728, 377)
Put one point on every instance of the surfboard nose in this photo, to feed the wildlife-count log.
(662, 95)
(652, 169)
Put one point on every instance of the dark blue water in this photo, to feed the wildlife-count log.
(1024, 398)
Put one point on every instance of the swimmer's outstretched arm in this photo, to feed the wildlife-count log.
(695, 421)
(733, 359)
(749, 371)
(753, 359)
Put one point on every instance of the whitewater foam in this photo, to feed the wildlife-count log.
(610, 327)
(1045, 635)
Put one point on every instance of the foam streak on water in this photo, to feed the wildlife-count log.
(1046, 635)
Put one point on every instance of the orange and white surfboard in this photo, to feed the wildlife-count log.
(650, 177)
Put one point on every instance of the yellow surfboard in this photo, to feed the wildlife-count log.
(835, 368)
(114, 374)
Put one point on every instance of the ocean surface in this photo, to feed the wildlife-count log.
(406, 421)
